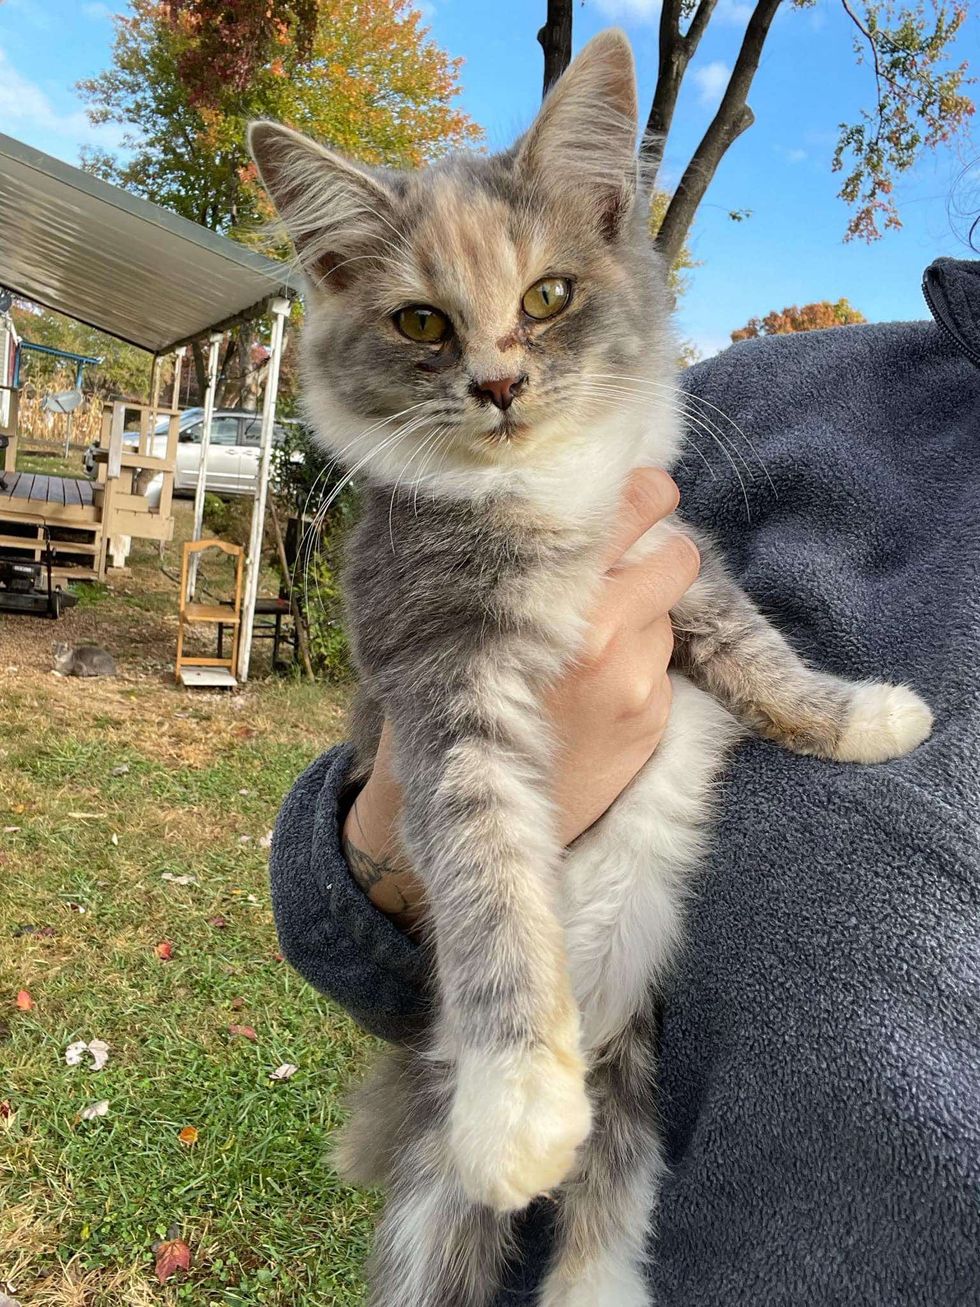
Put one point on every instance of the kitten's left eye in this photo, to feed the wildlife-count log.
(423, 323)
(546, 297)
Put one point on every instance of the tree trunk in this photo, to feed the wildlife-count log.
(555, 39)
(733, 118)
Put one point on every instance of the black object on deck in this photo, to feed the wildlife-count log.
(23, 589)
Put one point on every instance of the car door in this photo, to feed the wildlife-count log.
(188, 456)
(251, 449)
(224, 454)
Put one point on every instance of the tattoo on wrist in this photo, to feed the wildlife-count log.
(385, 882)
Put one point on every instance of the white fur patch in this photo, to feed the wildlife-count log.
(518, 1119)
(624, 883)
(885, 721)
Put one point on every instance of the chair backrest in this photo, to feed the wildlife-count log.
(198, 547)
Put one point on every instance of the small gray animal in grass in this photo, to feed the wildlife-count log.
(488, 346)
(83, 660)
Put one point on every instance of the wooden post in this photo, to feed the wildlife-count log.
(280, 312)
(202, 471)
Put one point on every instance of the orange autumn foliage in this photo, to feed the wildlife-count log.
(811, 317)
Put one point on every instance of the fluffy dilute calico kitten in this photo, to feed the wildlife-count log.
(488, 346)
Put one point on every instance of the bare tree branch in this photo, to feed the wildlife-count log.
(676, 52)
(733, 118)
(555, 39)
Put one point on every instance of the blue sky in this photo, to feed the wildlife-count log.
(790, 251)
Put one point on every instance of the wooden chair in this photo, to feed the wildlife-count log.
(192, 670)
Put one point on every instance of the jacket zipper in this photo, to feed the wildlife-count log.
(950, 332)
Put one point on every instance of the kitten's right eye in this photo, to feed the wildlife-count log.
(423, 323)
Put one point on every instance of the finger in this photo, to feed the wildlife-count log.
(637, 595)
(649, 497)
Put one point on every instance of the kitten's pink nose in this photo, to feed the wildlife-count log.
(500, 391)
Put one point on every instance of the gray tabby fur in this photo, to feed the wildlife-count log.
(476, 558)
(83, 660)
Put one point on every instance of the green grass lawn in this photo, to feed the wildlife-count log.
(110, 786)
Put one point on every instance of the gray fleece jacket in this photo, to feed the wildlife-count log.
(820, 1049)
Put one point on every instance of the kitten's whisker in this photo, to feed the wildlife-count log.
(713, 434)
(305, 551)
(345, 481)
(687, 397)
(398, 480)
(434, 445)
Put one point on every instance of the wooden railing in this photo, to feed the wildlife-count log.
(124, 474)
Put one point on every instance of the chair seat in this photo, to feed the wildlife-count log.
(211, 613)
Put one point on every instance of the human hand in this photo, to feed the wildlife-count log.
(608, 711)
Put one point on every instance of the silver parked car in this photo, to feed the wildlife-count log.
(233, 452)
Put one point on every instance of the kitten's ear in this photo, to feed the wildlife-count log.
(329, 205)
(583, 142)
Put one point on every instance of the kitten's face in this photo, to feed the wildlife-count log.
(62, 655)
(483, 307)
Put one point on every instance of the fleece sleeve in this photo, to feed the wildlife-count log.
(328, 928)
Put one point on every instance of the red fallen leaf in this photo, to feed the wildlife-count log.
(237, 1004)
(278, 957)
(246, 1032)
(172, 1255)
(6, 1110)
(243, 732)
(164, 950)
(219, 922)
(24, 1000)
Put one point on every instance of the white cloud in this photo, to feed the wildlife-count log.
(792, 154)
(635, 11)
(98, 11)
(26, 112)
(733, 13)
(711, 80)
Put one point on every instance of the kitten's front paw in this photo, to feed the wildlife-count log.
(885, 721)
(517, 1121)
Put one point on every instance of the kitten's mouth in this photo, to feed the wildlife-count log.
(509, 428)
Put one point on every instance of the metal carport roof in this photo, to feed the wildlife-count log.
(77, 244)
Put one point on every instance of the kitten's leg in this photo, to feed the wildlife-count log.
(606, 1208)
(479, 827)
(433, 1247)
(730, 649)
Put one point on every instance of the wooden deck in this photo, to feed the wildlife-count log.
(67, 507)
(39, 489)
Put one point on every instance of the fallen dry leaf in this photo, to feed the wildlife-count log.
(172, 1255)
(188, 1135)
(24, 1000)
(179, 880)
(246, 1032)
(266, 841)
(115, 838)
(101, 1108)
(11, 830)
(284, 1072)
(7, 1301)
(219, 922)
(237, 1004)
(98, 1049)
(6, 1109)
(121, 770)
(164, 950)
